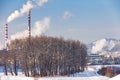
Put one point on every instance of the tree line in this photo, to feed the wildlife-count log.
(44, 56)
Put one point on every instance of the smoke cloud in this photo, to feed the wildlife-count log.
(25, 8)
(39, 28)
(40, 2)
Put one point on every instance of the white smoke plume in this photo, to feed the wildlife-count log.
(25, 8)
(39, 28)
(40, 2)
(17, 14)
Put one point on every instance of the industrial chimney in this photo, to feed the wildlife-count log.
(29, 24)
(6, 36)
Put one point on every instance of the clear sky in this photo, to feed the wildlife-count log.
(84, 20)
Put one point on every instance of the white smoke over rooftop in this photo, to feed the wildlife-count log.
(39, 28)
(25, 8)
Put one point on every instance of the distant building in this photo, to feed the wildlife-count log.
(94, 59)
(117, 60)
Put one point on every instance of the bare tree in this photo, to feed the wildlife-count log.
(48, 56)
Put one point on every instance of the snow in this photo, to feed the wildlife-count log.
(116, 77)
(89, 74)
(53, 78)
(15, 78)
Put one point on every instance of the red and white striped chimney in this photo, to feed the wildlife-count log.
(6, 36)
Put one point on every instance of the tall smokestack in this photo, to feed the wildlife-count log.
(29, 24)
(6, 36)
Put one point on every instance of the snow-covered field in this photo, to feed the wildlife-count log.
(89, 74)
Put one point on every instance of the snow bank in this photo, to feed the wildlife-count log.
(116, 77)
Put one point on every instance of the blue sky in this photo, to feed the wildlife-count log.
(86, 20)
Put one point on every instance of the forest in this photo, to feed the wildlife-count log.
(44, 56)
